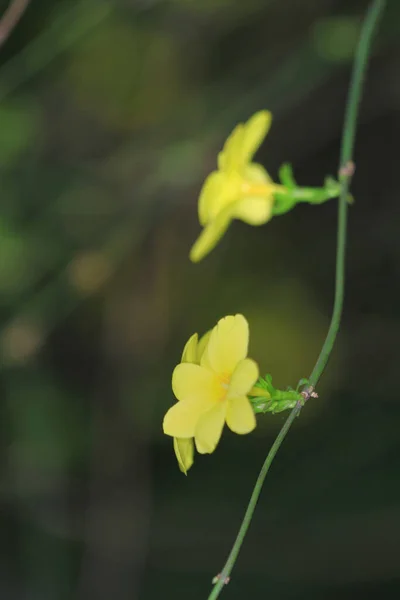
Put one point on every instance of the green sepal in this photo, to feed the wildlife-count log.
(279, 400)
(286, 177)
(293, 194)
(302, 383)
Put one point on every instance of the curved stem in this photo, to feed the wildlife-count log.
(347, 145)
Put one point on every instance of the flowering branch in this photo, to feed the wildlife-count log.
(346, 168)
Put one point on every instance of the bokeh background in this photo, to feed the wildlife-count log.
(111, 116)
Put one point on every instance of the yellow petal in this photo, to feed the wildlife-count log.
(253, 210)
(209, 428)
(244, 377)
(240, 416)
(202, 345)
(219, 191)
(195, 383)
(189, 354)
(255, 131)
(182, 418)
(228, 345)
(231, 156)
(212, 189)
(184, 450)
(255, 173)
(210, 236)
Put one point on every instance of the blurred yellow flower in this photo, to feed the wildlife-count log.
(212, 388)
(239, 189)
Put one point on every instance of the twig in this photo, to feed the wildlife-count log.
(11, 17)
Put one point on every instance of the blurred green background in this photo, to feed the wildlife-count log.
(111, 116)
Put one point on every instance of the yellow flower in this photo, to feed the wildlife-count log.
(215, 390)
(240, 189)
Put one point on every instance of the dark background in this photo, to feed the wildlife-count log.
(111, 116)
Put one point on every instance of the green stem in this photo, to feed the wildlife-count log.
(347, 145)
(252, 504)
(346, 152)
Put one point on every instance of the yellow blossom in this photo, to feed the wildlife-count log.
(213, 390)
(239, 189)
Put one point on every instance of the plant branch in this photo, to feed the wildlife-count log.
(345, 173)
(11, 17)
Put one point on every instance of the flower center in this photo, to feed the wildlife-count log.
(224, 381)
(259, 189)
